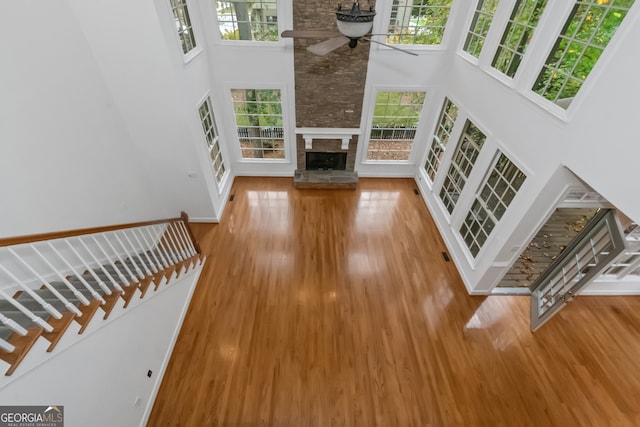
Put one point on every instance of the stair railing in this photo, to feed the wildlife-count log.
(49, 280)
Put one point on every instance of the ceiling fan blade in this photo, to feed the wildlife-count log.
(391, 46)
(309, 34)
(327, 46)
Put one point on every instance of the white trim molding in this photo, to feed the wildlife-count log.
(309, 134)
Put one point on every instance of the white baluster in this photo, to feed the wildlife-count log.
(139, 263)
(108, 260)
(113, 281)
(187, 238)
(72, 308)
(138, 274)
(100, 282)
(86, 284)
(6, 346)
(76, 293)
(112, 263)
(143, 250)
(165, 246)
(182, 254)
(35, 319)
(9, 323)
(164, 262)
(47, 307)
(158, 264)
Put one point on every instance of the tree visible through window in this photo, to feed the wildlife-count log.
(183, 25)
(248, 20)
(480, 24)
(418, 21)
(258, 115)
(590, 27)
(491, 203)
(395, 120)
(517, 35)
(464, 158)
(213, 140)
(441, 137)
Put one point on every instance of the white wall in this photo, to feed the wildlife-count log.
(157, 93)
(102, 380)
(66, 160)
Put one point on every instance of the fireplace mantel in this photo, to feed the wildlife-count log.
(344, 134)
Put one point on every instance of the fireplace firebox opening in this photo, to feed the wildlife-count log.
(326, 161)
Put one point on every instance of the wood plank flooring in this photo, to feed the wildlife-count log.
(336, 308)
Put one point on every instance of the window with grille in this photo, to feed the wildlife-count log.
(183, 25)
(441, 137)
(479, 28)
(464, 158)
(517, 35)
(212, 138)
(258, 114)
(491, 203)
(395, 120)
(419, 22)
(587, 32)
(245, 20)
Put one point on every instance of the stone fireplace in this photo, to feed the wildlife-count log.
(326, 158)
(327, 140)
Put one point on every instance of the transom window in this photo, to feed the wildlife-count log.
(491, 203)
(586, 33)
(183, 25)
(464, 158)
(418, 21)
(479, 28)
(441, 137)
(258, 115)
(211, 135)
(248, 20)
(517, 35)
(395, 120)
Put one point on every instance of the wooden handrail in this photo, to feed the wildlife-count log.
(10, 241)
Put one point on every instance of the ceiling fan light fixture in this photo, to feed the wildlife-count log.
(354, 23)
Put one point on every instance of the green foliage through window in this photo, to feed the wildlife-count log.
(517, 35)
(479, 28)
(441, 137)
(395, 120)
(418, 22)
(587, 32)
(258, 115)
(248, 20)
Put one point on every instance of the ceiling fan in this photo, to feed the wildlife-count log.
(353, 25)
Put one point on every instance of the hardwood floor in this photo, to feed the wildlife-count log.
(336, 308)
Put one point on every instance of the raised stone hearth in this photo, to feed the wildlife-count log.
(326, 179)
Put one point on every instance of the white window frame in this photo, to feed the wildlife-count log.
(369, 126)
(481, 206)
(196, 49)
(285, 21)
(437, 143)
(455, 167)
(384, 29)
(212, 142)
(471, 27)
(286, 114)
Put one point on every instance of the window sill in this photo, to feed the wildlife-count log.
(189, 56)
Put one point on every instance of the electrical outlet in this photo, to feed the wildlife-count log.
(149, 373)
(137, 401)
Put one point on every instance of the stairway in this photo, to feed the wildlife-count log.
(160, 255)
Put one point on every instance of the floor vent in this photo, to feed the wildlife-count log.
(415, 190)
(231, 197)
(445, 256)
